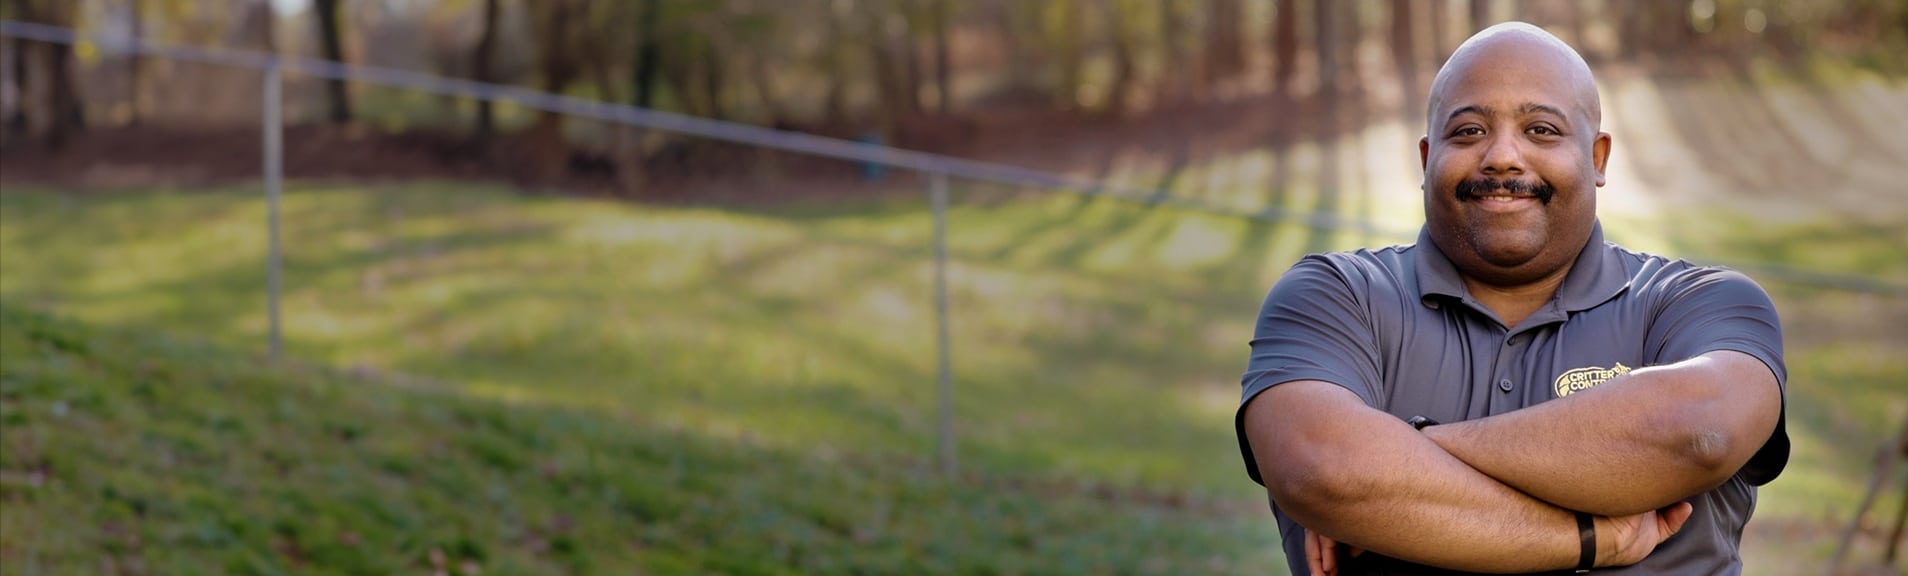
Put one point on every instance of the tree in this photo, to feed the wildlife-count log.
(484, 68)
(1066, 16)
(1172, 51)
(64, 109)
(1120, 36)
(1326, 41)
(555, 23)
(1404, 55)
(1284, 45)
(943, 84)
(1225, 51)
(835, 64)
(332, 49)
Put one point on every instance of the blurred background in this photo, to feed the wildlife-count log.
(521, 341)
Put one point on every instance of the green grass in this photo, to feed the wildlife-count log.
(786, 354)
(139, 452)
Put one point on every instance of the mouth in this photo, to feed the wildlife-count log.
(1504, 202)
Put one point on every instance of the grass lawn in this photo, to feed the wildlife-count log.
(536, 384)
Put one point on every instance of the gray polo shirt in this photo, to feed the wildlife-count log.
(1397, 327)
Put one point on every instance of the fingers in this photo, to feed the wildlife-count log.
(1674, 516)
(1330, 557)
(1313, 565)
(1321, 556)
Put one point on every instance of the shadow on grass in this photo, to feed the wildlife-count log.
(175, 456)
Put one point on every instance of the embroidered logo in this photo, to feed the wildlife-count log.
(1586, 378)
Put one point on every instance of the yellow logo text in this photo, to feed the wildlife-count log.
(1586, 378)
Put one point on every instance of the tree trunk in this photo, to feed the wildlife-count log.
(910, 52)
(1404, 55)
(1579, 27)
(133, 61)
(1071, 53)
(549, 147)
(17, 122)
(483, 67)
(1480, 15)
(765, 87)
(943, 83)
(1327, 43)
(648, 49)
(1171, 76)
(834, 103)
(714, 80)
(1224, 57)
(1349, 27)
(1285, 45)
(1438, 33)
(1122, 60)
(1020, 64)
(66, 109)
(332, 49)
(881, 58)
(1672, 21)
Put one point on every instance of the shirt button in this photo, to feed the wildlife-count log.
(1504, 385)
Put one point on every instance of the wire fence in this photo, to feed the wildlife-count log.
(939, 169)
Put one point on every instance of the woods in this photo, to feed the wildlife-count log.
(906, 72)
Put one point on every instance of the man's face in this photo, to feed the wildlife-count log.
(1512, 159)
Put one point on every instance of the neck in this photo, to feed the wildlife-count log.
(1512, 304)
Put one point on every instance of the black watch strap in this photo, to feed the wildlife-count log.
(1587, 536)
(1420, 422)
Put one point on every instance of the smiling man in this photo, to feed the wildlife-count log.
(1513, 394)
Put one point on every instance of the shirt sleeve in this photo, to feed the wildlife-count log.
(1713, 309)
(1313, 326)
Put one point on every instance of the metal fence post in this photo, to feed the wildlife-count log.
(273, 135)
(937, 191)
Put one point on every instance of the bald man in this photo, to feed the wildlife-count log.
(1513, 394)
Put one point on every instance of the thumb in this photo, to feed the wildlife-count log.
(1674, 516)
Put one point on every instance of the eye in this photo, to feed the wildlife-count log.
(1544, 130)
(1468, 131)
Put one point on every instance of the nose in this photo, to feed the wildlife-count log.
(1503, 155)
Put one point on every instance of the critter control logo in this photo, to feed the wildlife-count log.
(1586, 378)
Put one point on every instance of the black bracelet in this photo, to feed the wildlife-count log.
(1587, 534)
(1420, 422)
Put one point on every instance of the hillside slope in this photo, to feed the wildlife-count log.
(139, 453)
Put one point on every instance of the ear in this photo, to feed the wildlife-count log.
(1600, 155)
(1424, 155)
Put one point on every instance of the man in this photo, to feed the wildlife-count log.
(1512, 394)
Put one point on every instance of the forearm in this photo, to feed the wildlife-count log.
(1400, 495)
(1431, 509)
(1638, 442)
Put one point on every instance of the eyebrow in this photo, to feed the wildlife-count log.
(1526, 108)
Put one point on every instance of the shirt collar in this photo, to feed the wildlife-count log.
(1594, 278)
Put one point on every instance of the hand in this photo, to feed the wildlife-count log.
(1627, 540)
(1321, 553)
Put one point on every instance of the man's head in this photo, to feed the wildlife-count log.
(1512, 156)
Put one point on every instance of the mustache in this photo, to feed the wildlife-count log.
(1473, 188)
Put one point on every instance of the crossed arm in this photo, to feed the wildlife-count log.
(1496, 494)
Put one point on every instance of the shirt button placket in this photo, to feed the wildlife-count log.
(1507, 361)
